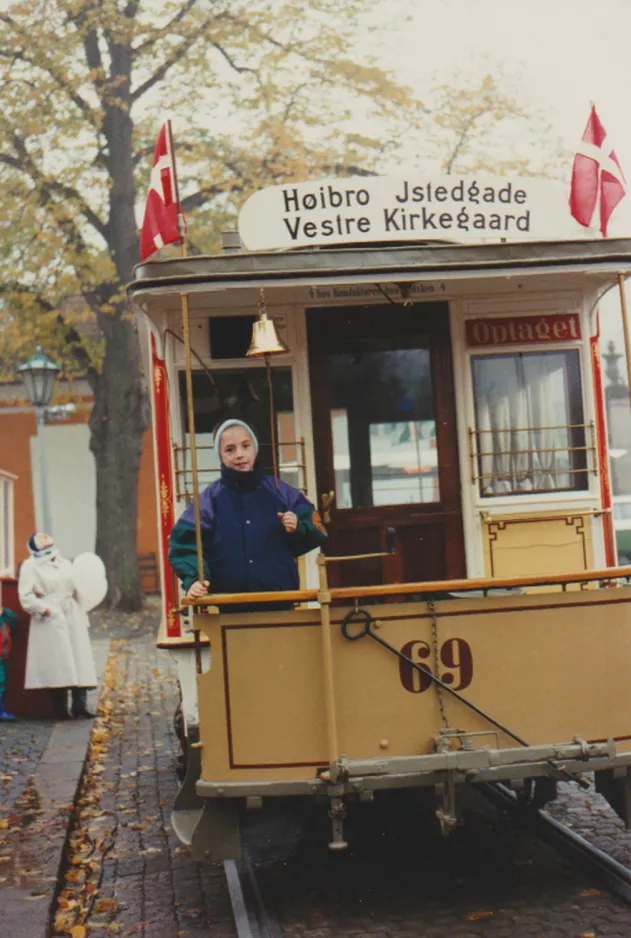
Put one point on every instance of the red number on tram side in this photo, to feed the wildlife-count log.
(413, 680)
(456, 655)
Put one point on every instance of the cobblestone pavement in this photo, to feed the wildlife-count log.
(128, 875)
(21, 747)
(591, 816)
(400, 880)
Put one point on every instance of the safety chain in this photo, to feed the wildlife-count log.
(431, 605)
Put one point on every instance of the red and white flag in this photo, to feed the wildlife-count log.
(163, 222)
(598, 183)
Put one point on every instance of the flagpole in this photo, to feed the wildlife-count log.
(189, 373)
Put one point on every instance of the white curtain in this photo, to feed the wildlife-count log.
(523, 413)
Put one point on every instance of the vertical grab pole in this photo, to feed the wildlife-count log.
(324, 598)
(181, 225)
(191, 430)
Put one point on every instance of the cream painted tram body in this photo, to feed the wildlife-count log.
(450, 393)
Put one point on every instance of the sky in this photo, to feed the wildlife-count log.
(561, 55)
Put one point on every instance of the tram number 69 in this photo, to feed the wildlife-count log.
(454, 654)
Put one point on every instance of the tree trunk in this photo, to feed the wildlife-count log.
(118, 421)
(120, 415)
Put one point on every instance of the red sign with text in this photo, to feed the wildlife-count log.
(523, 330)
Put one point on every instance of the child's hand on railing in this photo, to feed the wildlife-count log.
(197, 590)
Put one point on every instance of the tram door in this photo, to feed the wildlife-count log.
(385, 441)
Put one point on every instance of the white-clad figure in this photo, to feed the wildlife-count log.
(59, 654)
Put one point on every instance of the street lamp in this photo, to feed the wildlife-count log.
(39, 375)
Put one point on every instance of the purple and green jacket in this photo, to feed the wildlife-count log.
(245, 546)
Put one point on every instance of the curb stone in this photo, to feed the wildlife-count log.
(37, 848)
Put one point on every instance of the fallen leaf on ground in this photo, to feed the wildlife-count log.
(479, 914)
(104, 905)
(589, 892)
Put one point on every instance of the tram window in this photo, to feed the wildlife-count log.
(230, 336)
(384, 438)
(241, 393)
(530, 431)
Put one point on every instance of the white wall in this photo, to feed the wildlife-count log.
(71, 487)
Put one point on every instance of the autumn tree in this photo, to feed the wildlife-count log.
(85, 85)
(261, 92)
(481, 126)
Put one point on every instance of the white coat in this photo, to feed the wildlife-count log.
(59, 652)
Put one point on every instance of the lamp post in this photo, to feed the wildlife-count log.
(39, 375)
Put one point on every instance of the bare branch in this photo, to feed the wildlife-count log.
(230, 60)
(79, 352)
(449, 164)
(38, 61)
(74, 339)
(199, 198)
(178, 54)
(180, 51)
(44, 191)
(26, 165)
(167, 29)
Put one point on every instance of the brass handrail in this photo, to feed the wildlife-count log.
(518, 473)
(184, 474)
(403, 589)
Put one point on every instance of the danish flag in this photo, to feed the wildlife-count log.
(164, 221)
(597, 178)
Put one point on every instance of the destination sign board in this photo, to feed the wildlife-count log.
(389, 208)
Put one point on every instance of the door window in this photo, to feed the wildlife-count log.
(383, 426)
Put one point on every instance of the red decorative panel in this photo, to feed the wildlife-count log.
(603, 456)
(164, 487)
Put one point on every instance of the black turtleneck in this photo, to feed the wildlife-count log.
(240, 480)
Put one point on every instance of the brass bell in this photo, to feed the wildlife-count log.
(265, 340)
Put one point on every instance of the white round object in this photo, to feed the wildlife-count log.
(90, 580)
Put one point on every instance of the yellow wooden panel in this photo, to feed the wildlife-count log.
(523, 546)
(549, 667)
(275, 679)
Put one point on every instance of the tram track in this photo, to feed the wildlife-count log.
(357, 890)
(591, 859)
(252, 916)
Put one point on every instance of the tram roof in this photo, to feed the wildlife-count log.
(357, 264)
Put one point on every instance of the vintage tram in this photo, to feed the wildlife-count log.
(441, 404)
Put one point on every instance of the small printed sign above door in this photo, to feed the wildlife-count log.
(523, 330)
